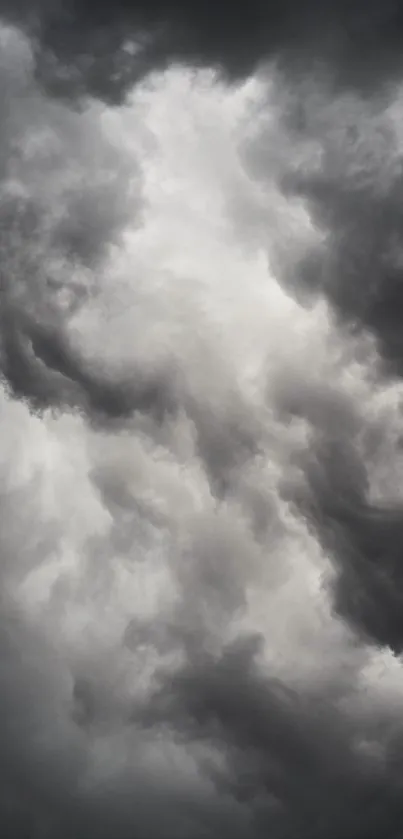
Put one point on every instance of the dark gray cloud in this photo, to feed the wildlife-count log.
(342, 155)
(87, 46)
(66, 195)
(354, 192)
(347, 166)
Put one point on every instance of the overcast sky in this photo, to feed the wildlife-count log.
(201, 408)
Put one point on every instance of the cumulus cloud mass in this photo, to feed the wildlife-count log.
(201, 402)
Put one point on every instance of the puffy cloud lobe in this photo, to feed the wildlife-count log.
(65, 196)
(352, 180)
(343, 157)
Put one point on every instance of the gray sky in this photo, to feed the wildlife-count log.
(201, 504)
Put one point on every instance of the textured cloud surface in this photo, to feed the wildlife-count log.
(103, 47)
(201, 403)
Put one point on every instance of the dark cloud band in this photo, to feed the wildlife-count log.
(103, 48)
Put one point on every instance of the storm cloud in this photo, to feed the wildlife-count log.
(201, 402)
(103, 47)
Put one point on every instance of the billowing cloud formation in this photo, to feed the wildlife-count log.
(201, 401)
(103, 47)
